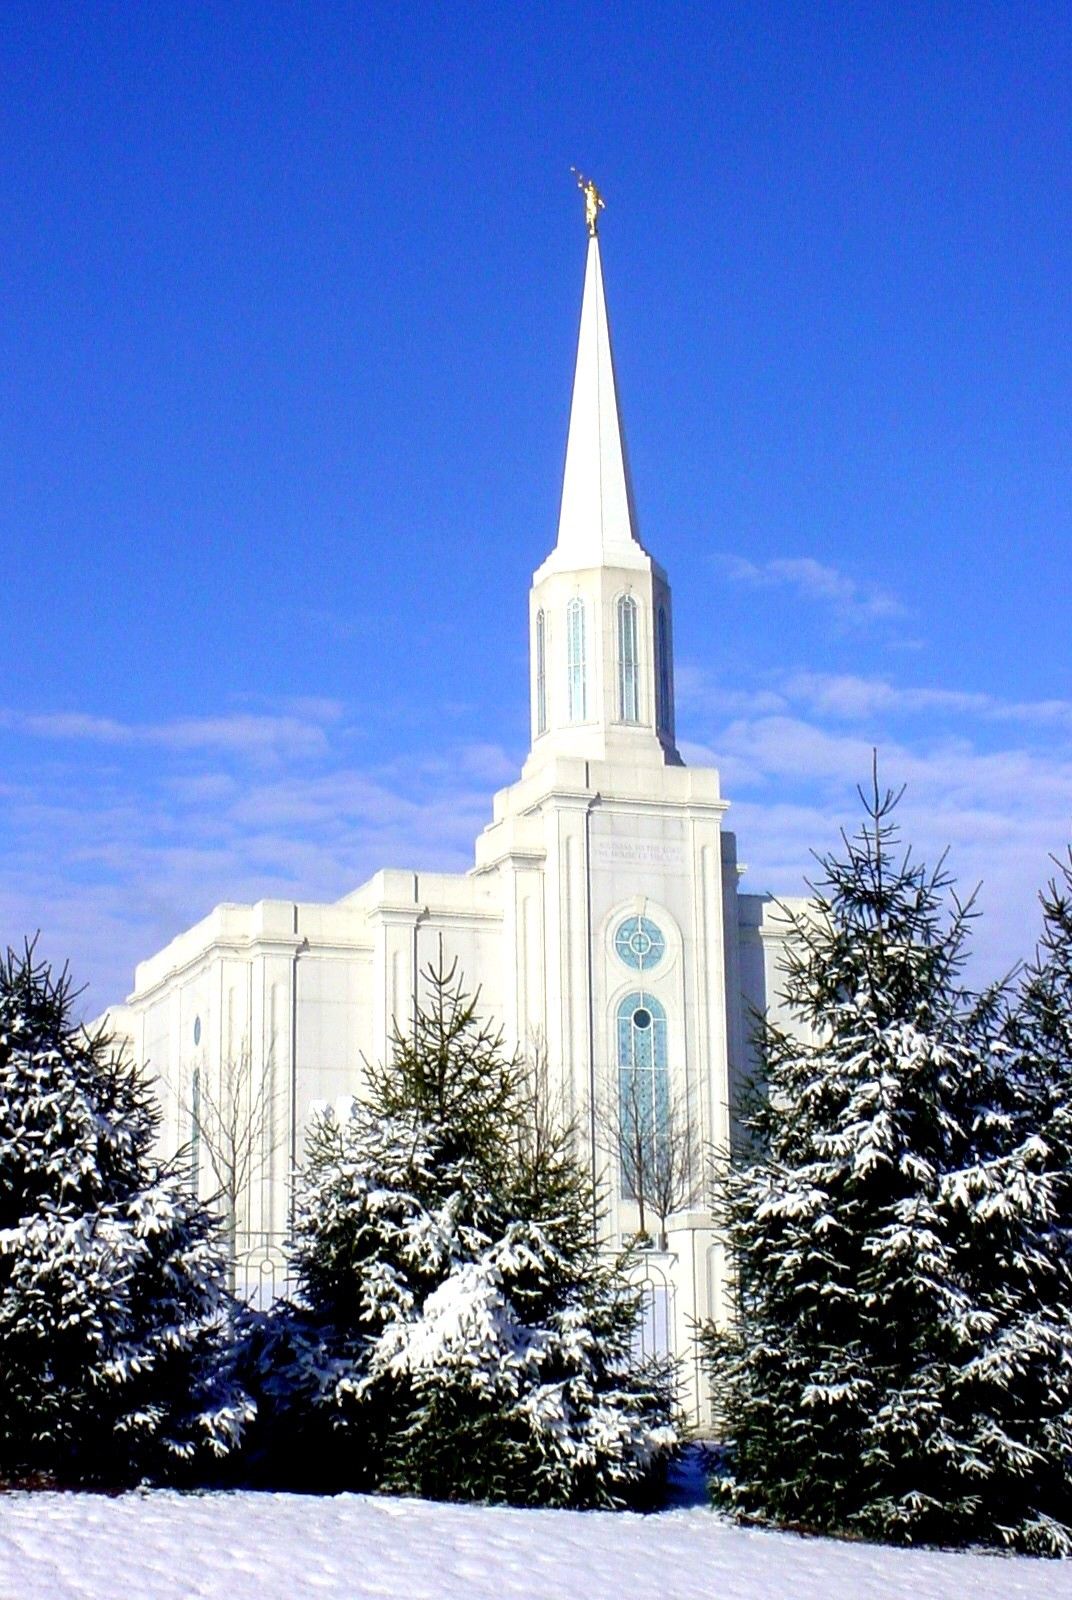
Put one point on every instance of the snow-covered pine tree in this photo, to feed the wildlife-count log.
(900, 1362)
(458, 1332)
(112, 1335)
(1039, 1037)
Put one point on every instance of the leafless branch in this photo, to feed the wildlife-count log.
(654, 1147)
(230, 1114)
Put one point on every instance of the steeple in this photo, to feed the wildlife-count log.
(602, 674)
(597, 520)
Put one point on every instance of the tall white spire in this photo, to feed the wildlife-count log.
(602, 673)
(597, 521)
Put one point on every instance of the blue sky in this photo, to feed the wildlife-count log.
(288, 300)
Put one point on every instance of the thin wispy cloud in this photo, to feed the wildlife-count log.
(111, 855)
(987, 778)
(300, 732)
(872, 702)
(844, 695)
(852, 603)
(695, 690)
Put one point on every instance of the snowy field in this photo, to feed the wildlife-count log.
(241, 1546)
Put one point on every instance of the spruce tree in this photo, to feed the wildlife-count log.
(1039, 1039)
(112, 1334)
(458, 1332)
(899, 1365)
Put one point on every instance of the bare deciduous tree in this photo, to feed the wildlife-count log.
(654, 1147)
(547, 1123)
(232, 1127)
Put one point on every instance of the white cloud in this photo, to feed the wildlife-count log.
(67, 725)
(999, 807)
(846, 696)
(853, 603)
(856, 698)
(696, 691)
(110, 860)
(111, 855)
(295, 733)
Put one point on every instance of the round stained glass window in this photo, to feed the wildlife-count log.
(639, 943)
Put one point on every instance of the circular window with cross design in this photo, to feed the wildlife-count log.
(639, 943)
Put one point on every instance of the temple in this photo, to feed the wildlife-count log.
(602, 921)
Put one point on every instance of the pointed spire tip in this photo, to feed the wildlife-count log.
(597, 521)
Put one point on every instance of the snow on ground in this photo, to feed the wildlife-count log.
(160, 1545)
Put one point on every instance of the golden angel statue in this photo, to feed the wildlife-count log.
(593, 201)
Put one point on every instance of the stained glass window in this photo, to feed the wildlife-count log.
(541, 673)
(666, 710)
(639, 943)
(628, 699)
(575, 661)
(643, 1089)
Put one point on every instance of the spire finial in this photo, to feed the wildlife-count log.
(593, 201)
(596, 523)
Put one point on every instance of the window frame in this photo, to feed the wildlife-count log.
(663, 688)
(541, 672)
(628, 640)
(576, 660)
(654, 1084)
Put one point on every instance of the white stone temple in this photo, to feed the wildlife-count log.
(601, 918)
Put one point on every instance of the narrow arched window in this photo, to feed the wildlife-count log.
(628, 700)
(666, 710)
(643, 1094)
(577, 683)
(541, 673)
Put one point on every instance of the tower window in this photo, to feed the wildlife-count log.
(577, 680)
(541, 673)
(628, 707)
(666, 714)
